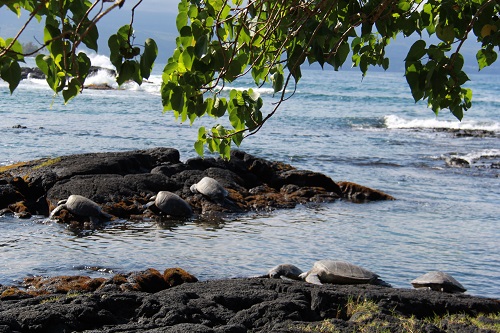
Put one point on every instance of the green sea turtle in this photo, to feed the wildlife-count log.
(211, 188)
(283, 271)
(170, 204)
(340, 272)
(82, 206)
(439, 281)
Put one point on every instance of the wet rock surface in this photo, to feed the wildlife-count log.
(468, 133)
(242, 305)
(123, 184)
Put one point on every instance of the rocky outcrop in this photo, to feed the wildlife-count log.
(359, 193)
(122, 183)
(468, 133)
(247, 305)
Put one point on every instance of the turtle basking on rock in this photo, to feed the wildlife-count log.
(81, 206)
(340, 272)
(170, 204)
(283, 271)
(210, 188)
(438, 281)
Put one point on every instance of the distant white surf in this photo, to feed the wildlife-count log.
(395, 122)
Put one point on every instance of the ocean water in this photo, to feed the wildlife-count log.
(367, 131)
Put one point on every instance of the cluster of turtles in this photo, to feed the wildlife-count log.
(323, 271)
(342, 272)
(167, 202)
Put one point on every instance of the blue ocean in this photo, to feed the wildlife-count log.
(365, 130)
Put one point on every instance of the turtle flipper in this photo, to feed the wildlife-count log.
(286, 278)
(106, 216)
(57, 210)
(313, 278)
(380, 282)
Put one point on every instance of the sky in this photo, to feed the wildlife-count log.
(156, 19)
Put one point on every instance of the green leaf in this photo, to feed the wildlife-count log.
(185, 38)
(128, 71)
(84, 64)
(115, 55)
(467, 97)
(485, 57)
(148, 57)
(11, 73)
(225, 149)
(16, 50)
(413, 77)
(124, 32)
(177, 99)
(417, 51)
(446, 33)
(42, 63)
(91, 38)
(233, 70)
(187, 58)
(278, 81)
(457, 111)
(72, 89)
(181, 20)
(318, 54)
(219, 108)
(199, 147)
(341, 55)
(237, 138)
(201, 47)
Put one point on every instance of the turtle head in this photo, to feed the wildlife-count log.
(61, 202)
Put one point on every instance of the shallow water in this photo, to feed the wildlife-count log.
(368, 132)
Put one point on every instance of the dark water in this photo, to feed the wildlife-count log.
(370, 132)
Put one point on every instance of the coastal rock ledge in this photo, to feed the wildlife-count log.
(252, 305)
(122, 183)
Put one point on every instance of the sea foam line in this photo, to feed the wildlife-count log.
(395, 122)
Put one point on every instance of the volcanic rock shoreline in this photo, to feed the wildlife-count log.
(251, 305)
(123, 182)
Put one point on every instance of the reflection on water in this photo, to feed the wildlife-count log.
(379, 236)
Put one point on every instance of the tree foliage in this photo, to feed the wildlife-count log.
(219, 41)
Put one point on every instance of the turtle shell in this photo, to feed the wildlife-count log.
(439, 281)
(342, 272)
(210, 188)
(287, 270)
(80, 205)
(172, 204)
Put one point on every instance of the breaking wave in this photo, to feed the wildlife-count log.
(395, 122)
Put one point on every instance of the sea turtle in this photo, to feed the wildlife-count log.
(439, 281)
(171, 204)
(283, 271)
(82, 206)
(340, 272)
(211, 188)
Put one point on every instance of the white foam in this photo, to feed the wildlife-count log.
(485, 153)
(395, 122)
(101, 78)
(100, 60)
(478, 155)
(262, 90)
